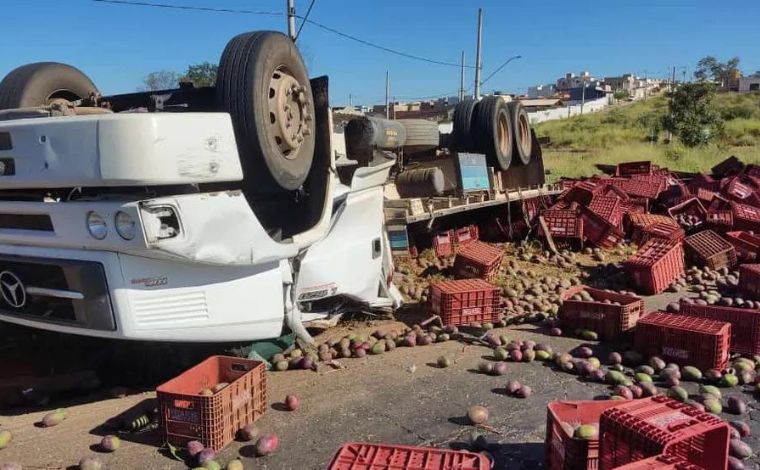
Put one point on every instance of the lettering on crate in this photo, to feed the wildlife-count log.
(472, 311)
(675, 352)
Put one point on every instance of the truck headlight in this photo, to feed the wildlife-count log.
(125, 225)
(96, 225)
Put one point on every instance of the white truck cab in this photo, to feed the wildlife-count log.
(121, 223)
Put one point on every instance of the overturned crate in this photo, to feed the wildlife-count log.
(685, 340)
(599, 231)
(749, 280)
(478, 260)
(745, 323)
(609, 314)
(655, 265)
(662, 231)
(464, 301)
(746, 217)
(746, 244)
(367, 456)
(649, 427)
(565, 227)
(707, 248)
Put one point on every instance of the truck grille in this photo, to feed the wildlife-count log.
(68, 292)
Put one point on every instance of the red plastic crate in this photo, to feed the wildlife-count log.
(638, 429)
(599, 231)
(737, 190)
(719, 203)
(564, 225)
(563, 451)
(752, 170)
(705, 195)
(745, 324)
(746, 244)
(729, 166)
(704, 182)
(582, 193)
(685, 340)
(749, 280)
(720, 220)
(630, 206)
(214, 420)
(633, 223)
(691, 207)
(707, 248)
(661, 462)
(610, 190)
(464, 301)
(641, 189)
(465, 235)
(477, 260)
(746, 217)
(443, 245)
(655, 265)
(607, 319)
(634, 168)
(661, 181)
(365, 456)
(533, 206)
(662, 231)
(608, 208)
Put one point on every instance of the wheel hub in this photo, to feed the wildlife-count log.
(289, 112)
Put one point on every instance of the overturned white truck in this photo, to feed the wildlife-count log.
(194, 214)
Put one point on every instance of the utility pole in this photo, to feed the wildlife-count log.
(292, 19)
(350, 101)
(461, 81)
(646, 84)
(387, 95)
(478, 58)
(583, 93)
(674, 76)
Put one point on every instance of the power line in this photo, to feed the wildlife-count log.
(272, 13)
(186, 7)
(305, 19)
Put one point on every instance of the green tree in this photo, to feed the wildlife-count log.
(692, 116)
(721, 72)
(200, 75)
(160, 80)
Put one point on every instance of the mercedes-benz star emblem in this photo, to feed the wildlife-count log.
(12, 289)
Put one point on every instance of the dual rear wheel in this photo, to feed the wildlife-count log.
(499, 129)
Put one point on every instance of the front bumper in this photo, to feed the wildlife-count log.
(113, 295)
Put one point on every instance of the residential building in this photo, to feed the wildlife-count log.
(570, 80)
(542, 91)
(750, 83)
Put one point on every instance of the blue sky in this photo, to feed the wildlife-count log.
(118, 45)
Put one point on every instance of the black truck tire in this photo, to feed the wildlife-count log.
(38, 84)
(521, 131)
(262, 83)
(421, 135)
(461, 131)
(493, 131)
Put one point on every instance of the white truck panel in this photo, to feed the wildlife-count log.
(139, 149)
(173, 301)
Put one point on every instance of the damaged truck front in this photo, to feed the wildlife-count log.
(194, 214)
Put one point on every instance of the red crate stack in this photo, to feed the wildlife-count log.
(609, 314)
(477, 260)
(685, 340)
(599, 231)
(746, 244)
(563, 225)
(563, 451)
(639, 429)
(662, 231)
(656, 265)
(186, 415)
(746, 217)
(608, 208)
(365, 456)
(634, 168)
(749, 280)
(707, 248)
(443, 244)
(745, 324)
(661, 462)
(464, 301)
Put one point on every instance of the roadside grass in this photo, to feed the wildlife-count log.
(631, 133)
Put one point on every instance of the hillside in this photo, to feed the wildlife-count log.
(630, 132)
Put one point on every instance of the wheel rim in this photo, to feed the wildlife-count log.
(503, 134)
(523, 129)
(289, 112)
